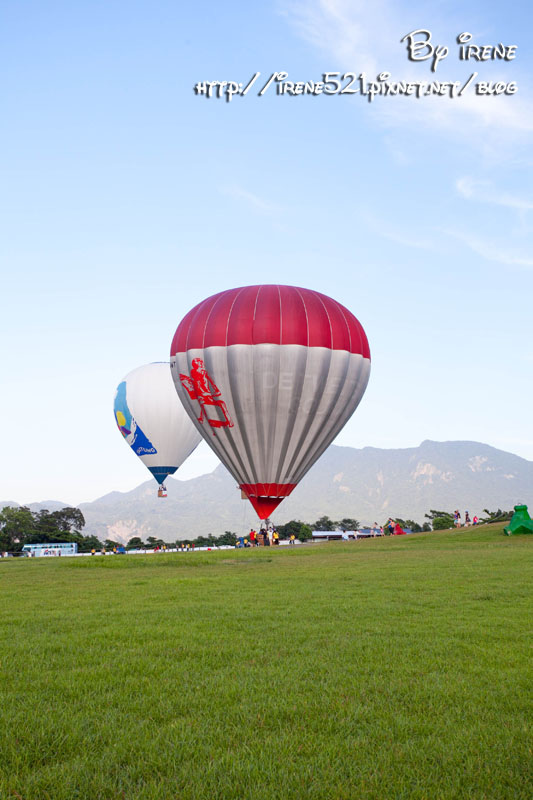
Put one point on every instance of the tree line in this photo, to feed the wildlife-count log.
(20, 526)
(301, 530)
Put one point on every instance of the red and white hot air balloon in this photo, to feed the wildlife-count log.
(269, 375)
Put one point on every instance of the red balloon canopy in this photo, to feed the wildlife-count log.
(269, 375)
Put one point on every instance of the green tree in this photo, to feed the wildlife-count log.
(68, 520)
(109, 544)
(306, 532)
(324, 524)
(443, 523)
(20, 526)
(16, 527)
(206, 541)
(135, 543)
(292, 527)
(153, 542)
(227, 538)
(59, 526)
(45, 527)
(87, 543)
(301, 530)
(496, 516)
(440, 520)
(347, 524)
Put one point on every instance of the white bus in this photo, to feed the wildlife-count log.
(51, 549)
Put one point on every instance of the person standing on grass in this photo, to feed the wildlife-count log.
(292, 538)
(457, 518)
(252, 537)
(467, 520)
(275, 536)
(475, 521)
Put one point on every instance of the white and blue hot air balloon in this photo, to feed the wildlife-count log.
(153, 421)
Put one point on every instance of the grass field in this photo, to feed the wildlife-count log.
(382, 669)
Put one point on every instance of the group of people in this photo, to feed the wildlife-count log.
(269, 537)
(457, 519)
(265, 537)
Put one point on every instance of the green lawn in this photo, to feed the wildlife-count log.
(381, 669)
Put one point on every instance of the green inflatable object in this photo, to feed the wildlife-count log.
(520, 522)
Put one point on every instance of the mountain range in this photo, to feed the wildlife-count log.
(369, 484)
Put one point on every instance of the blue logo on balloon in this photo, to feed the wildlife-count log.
(128, 427)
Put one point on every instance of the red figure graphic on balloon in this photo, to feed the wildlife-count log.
(201, 387)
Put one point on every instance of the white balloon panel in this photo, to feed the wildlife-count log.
(153, 421)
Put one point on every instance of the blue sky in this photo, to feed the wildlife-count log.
(126, 199)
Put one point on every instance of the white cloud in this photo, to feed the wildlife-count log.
(343, 30)
(366, 37)
(483, 191)
(493, 251)
(492, 130)
(250, 198)
(382, 227)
